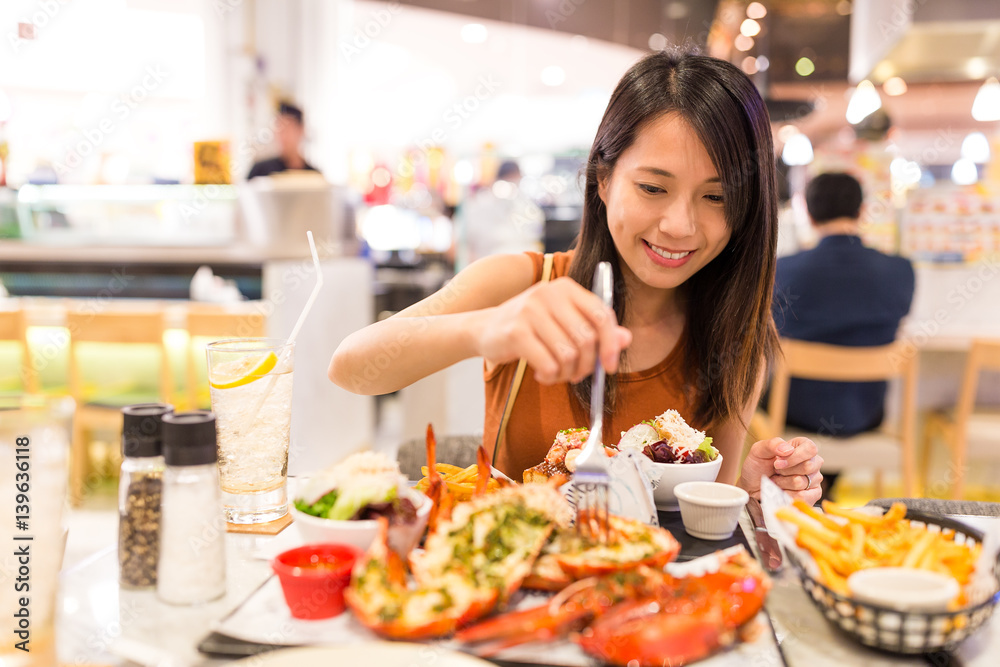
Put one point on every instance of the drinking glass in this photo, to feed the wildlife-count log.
(34, 450)
(251, 386)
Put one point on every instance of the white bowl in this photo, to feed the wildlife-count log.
(360, 534)
(710, 510)
(672, 474)
(903, 588)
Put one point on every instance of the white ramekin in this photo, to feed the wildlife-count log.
(710, 510)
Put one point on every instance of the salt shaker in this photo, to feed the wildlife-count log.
(139, 492)
(192, 547)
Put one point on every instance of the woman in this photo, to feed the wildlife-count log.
(680, 198)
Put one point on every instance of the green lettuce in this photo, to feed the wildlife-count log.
(318, 508)
(711, 453)
(350, 501)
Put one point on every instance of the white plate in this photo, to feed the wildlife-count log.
(383, 654)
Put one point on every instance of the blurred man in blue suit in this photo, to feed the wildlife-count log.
(840, 293)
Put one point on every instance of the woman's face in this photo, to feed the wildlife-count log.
(665, 204)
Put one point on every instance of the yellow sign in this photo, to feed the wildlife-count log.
(211, 162)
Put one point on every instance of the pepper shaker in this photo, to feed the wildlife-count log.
(139, 493)
(192, 540)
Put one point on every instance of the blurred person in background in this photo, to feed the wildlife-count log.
(498, 219)
(289, 132)
(839, 293)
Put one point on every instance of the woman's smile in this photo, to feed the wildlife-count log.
(667, 257)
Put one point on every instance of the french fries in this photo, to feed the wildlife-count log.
(461, 482)
(843, 541)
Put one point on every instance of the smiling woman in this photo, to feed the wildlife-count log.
(680, 199)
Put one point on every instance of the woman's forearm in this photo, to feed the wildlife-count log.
(730, 445)
(394, 353)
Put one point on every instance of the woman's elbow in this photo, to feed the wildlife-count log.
(341, 373)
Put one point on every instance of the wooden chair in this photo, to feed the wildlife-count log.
(13, 327)
(888, 448)
(964, 429)
(97, 411)
(215, 323)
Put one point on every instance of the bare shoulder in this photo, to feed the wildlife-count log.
(485, 283)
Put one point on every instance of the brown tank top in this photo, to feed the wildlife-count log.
(542, 411)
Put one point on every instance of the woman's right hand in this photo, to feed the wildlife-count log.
(558, 326)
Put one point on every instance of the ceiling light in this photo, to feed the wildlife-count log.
(976, 147)
(884, 70)
(553, 75)
(964, 172)
(474, 33)
(749, 27)
(657, 42)
(463, 172)
(787, 132)
(755, 10)
(743, 43)
(864, 101)
(798, 150)
(763, 63)
(804, 66)
(987, 104)
(977, 68)
(894, 86)
(749, 65)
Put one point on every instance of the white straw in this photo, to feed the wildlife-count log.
(295, 332)
(315, 292)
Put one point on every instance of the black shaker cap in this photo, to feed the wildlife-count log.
(142, 433)
(189, 438)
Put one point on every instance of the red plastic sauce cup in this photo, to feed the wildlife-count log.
(313, 578)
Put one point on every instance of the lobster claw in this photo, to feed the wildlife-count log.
(637, 633)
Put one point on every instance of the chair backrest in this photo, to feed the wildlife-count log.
(458, 450)
(835, 363)
(119, 327)
(217, 323)
(13, 327)
(11, 324)
(984, 355)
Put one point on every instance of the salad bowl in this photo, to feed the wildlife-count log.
(672, 474)
(360, 533)
(341, 504)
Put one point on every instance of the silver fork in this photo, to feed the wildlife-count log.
(591, 481)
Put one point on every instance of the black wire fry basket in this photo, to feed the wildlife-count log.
(899, 631)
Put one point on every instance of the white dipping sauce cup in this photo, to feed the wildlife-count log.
(903, 588)
(710, 510)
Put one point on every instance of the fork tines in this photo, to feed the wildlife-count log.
(590, 491)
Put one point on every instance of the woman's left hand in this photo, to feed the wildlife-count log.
(793, 465)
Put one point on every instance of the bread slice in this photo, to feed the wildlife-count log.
(543, 471)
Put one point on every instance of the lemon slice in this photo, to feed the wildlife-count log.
(256, 372)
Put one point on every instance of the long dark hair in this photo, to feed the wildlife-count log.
(730, 337)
